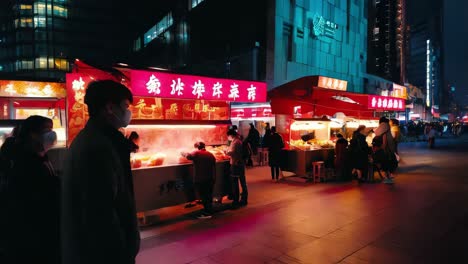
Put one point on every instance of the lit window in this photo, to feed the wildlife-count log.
(61, 64)
(40, 8)
(39, 22)
(25, 7)
(41, 63)
(194, 3)
(158, 29)
(26, 22)
(137, 44)
(60, 11)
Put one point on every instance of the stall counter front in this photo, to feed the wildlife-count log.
(170, 185)
(300, 161)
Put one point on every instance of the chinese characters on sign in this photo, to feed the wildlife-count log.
(168, 85)
(323, 27)
(330, 83)
(32, 89)
(386, 103)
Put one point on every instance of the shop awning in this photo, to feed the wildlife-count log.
(317, 101)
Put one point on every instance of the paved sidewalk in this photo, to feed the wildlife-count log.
(423, 218)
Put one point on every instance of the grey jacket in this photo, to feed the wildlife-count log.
(235, 152)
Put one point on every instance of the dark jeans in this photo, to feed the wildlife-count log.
(238, 174)
(205, 190)
(275, 172)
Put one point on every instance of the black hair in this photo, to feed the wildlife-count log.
(273, 129)
(134, 135)
(100, 93)
(232, 132)
(383, 119)
(200, 145)
(339, 136)
(33, 125)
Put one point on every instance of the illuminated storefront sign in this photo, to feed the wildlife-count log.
(330, 83)
(168, 85)
(323, 27)
(32, 89)
(399, 91)
(251, 112)
(386, 103)
(428, 73)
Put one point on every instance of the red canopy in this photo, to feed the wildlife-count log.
(317, 101)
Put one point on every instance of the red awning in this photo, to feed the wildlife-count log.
(317, 101)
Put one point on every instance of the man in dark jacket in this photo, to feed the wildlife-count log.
(276, 144)
(98, 210)
(204, 176)
(341, 155)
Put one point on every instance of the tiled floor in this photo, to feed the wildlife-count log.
(423, 218)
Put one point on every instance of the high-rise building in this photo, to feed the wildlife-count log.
(425, 68)
(33, 38)
(272, 40)
(39, 39)
(387, 40)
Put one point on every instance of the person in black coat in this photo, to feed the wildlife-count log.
(33, 197)
(134, 141)
(276, 144)
(99, 222)
(359, 151)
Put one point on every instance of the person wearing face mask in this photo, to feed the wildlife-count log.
(33, 196)
(99, 222)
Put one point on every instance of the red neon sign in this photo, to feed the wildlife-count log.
(169, 85)
(386, 103)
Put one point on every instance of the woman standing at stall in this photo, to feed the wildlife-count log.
(33, 191)
(276, 144)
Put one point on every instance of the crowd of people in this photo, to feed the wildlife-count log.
(354, 159)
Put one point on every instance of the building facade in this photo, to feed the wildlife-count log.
(33, 38)
(387, 39)
(205, 37)
(39, 39)
(316, 37)
(276, 41)
(425, 68)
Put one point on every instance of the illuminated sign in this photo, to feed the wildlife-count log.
(169, 85)
(386, 103)
(323, 27)
(330, 83)
(249, 112)
(428, 73)
(32, 89)
(399, 91)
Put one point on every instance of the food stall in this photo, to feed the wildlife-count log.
(258, 114)
(171, 112)
(305, 105)
(21, 99)
(309, 141)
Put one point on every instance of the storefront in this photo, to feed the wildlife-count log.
(242, 115)
(21, 99)
(171, 112)
(321, 108)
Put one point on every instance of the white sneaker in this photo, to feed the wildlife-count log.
(204, 216)
(388, 181)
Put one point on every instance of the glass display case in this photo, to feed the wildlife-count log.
(162, 145)
(353, 124)
(310, 134)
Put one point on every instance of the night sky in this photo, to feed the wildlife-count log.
(456, 47)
